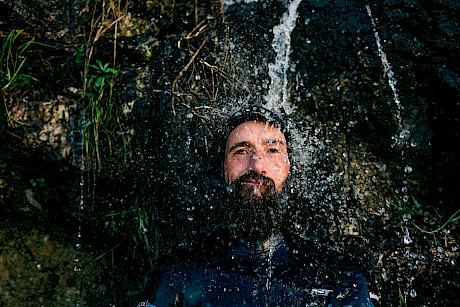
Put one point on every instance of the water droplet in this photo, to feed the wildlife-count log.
(408, 169)
(413, 293)
(440, 249)
(407, 217)
(404, 134)
(407, 239)
(351, 123)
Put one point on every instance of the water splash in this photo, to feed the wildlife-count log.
(278, 95)
(227, 3)
(402, 139)
(406, 237)
(78, 244)
(387, 67)
(404, 134)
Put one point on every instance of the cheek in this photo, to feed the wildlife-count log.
(282, 172)
(234, 168)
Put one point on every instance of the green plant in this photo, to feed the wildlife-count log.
(407, 207)
(135, 221)
(415, 208)
(402, 299)
(12, 60)
(101, 116)
(38, 182)
(99, 113)
(454, 217)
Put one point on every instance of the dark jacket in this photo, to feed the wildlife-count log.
(278, 275)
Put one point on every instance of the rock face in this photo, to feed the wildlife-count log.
(39, 266)
(127, 146)
(59, 21)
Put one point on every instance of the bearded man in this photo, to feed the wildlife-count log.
(250, 256)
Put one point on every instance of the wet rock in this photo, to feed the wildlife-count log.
(54, 20)
(42, 267)
(354, 191)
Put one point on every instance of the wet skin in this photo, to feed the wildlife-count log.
(260, 147)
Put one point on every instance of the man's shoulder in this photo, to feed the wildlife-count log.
(330, 269)
(309, 256)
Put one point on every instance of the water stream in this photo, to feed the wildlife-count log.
(387, 68)
(403, 135)
(368, 92)
(277, 97)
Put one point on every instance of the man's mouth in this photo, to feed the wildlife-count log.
(252, 184)
(257, 183)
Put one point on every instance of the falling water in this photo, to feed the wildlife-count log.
(273, 244)
(77, 268)
(403, 133)
(386, 65)
(231, 2)
(278, 95)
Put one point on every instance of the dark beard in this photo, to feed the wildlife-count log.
(249, 215)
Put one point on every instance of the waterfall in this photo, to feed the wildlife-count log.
(227, 3)
(278, 95)
(387, 68)
(403, 133)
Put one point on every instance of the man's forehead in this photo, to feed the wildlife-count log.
(262, 128)
(263, 132)
(256, 125)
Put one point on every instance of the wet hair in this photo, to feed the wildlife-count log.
(256, 114)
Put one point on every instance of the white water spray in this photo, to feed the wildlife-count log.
(387, 68)
(78, 244)
(227, 3)
(278, 95)
(404, 134)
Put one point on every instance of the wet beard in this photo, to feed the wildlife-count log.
(251, 215)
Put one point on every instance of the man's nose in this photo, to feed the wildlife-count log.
(257, 163)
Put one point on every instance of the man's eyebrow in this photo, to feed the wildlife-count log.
(240, 144)
(274, 140)
(266, 142)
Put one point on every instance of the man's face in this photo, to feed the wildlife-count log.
(256, 159)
